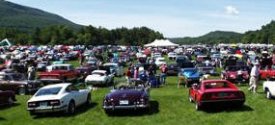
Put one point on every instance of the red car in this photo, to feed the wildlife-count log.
(7, 97)
(59, 73)
(216, 92)
(268, 73)
(236, 73)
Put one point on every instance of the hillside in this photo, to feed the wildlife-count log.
(210, 38)
(26, 18)
(265, 35)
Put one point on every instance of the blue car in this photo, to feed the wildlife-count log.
(191, 75)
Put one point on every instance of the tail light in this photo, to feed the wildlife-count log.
(54, 102)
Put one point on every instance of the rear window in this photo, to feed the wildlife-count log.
(48, 91)
(215, 85)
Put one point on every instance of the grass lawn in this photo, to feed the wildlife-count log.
(169, 106)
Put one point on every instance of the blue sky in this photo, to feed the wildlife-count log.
(173, 18)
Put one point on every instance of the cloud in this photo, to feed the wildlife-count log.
(231, 10)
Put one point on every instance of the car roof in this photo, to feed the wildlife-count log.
(101, 71)
(61, 65)
(57, 85)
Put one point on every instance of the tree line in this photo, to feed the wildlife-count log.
(86, 35)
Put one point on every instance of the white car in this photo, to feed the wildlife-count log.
(57, 98)
(114, 68)
(159, 61)
(172, 55)
(100, 77)
(269, 89)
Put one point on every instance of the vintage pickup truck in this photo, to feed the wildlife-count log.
(58, 73)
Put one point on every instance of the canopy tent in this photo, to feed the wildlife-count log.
(161, 43)
(5, 42)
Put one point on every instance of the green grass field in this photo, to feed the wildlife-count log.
(169, 105)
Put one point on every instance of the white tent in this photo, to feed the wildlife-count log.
(161, 43)
(5, 42)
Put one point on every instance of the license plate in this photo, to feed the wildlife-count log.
(43, 104)
(222, 94)
(123, 102)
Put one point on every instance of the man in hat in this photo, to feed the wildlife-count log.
(254, 74)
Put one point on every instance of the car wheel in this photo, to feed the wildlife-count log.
(88, 101)
(198, 107)
(190, 99)
(10, 101)
(32, 113)
(268, 94)
(71, 108)
(22, 91)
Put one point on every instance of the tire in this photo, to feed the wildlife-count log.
(22, 91)
(108, 111)
(71, 108)
(197, 106)
(10, 101)
(32, 113)
(268, 95)
(88, 101)
(190, 99)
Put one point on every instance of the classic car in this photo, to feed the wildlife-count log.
(7, 97)
(114, 68)
(58, 73)
(184, 62)
(190, 75)
(85, 70)
(236, 73)
(267, 73)
(58, 98)
(269, 89)
(100, 77)
(127, 97)
(172, 55)
(42, 66)
(159, 61)
(173, 69)
(206, 68)
(216, 92)
(18, 83)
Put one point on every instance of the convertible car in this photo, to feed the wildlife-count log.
(127, 97)
(190, 75)
(216, 92)
(236, 73)
(7, 97)
(57, 98)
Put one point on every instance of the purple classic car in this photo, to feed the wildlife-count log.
(127, 97)
(7, 97)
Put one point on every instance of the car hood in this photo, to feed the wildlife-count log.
(95, 77)
(191, 74)
(236, 73)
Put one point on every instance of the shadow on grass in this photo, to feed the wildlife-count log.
(2, 119)
(9, 106)
(154, 109)
(79, 110)
(217, 109)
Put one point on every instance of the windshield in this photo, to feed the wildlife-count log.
(98, 73)
(48, 91)
(215, 85)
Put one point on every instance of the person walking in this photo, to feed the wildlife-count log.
(254, 74)
(163, 69)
